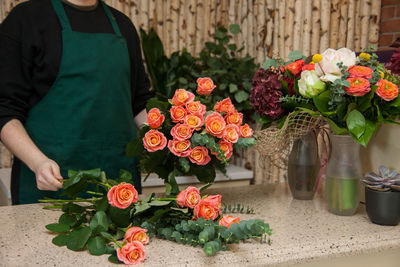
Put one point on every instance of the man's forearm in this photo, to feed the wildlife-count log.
(17, 140)
(141, 118)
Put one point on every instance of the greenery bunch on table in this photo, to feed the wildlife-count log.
(220, 60)
(355, 95)
(114, 221)
(190, 135)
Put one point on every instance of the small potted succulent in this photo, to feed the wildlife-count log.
(382, 196)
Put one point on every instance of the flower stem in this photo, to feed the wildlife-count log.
(68, 200)
(95, 193)
(166, 199)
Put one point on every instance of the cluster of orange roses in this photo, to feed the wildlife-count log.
(124, 195)
(360, 85)
(207, 208)
(225, 123)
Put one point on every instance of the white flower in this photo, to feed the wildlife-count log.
(310, 85)
(328, 69)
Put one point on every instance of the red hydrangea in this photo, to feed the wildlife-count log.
(266, 93)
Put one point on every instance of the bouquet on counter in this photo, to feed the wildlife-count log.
(114, 221)
(355, 95)
(190, 135)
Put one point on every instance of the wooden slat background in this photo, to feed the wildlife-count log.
(268, 28)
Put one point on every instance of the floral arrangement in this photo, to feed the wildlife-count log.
(191, 135)
(353, 94)
(115, 221)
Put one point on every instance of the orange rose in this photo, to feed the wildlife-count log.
(131, 253)
(295, 67)
(137, 234)
(387, 90)
(122, 195)
(224, 106)
(361, 72)
(181, 132)
(188, 197)
(182, 97)
(358, 86)
(208, 208)
(234, 118)
(308, 67)
(199, 155)
(194, 121)
(205, 86)
(154, 140)
(178, 113)
(154, 118)
(227, 221)
(215, 124)
(179, 148)
(196, 108)
(231, 133)
(245, 131)
(226, 147)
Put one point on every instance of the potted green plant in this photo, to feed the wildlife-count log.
(382, 196)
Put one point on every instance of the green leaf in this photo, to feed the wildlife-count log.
(158, 214)
(356, 123)
(295, 55)
(321, 101)
(370, 128)
(58, 228)
(121, 217)
(114, 259)
(141, 208)
(395, 103)
(159, 203)
(211, 248)
(134, 148)
(241, 96)
(124, 176)
(246, 142)
(183, 210)
(270, 63)
(72, 181)
(184, 163)
(60, 240)
(234, 28)
(97, 246)
(67, 219)
(102, 204)
(99, 222)
(204, 187)
(336, 129)
(232, 47)
(78, 238)
(233, 88)
(92, 174)
(204, 174)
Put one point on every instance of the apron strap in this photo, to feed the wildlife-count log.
(112, 19)
(62, 16)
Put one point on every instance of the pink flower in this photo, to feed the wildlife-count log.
(224, 105)
(178, 113)
(246, 131)
(205, 86)
(131, 253)
(234, 118)
(154, 118)
(208, 208)
(215, 124)
(196, 108)
(122, 195)
(180, 148)
(182, 97)
(227, 221)
(154, 140)
(231, 133)
(188, 197)
(136, 234)
(181, 132)
(199, 155)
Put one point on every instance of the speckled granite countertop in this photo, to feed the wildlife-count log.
(304, 231)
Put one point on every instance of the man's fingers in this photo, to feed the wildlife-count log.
(43, 184)
(56, 171)
(51, 179)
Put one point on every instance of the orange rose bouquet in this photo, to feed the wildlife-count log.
(115, 221)
(188, 135)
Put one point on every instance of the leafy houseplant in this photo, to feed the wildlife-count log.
(382, 196)
(218, 60)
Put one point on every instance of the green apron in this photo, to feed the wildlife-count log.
(85, 120)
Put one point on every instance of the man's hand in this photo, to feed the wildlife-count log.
(48, 175)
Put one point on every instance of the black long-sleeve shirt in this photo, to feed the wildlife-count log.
(31, 48)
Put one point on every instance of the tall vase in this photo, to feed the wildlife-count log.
(343, 176)
(303, 167)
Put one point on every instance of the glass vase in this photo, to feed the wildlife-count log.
(303, 167)
(343, 176)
